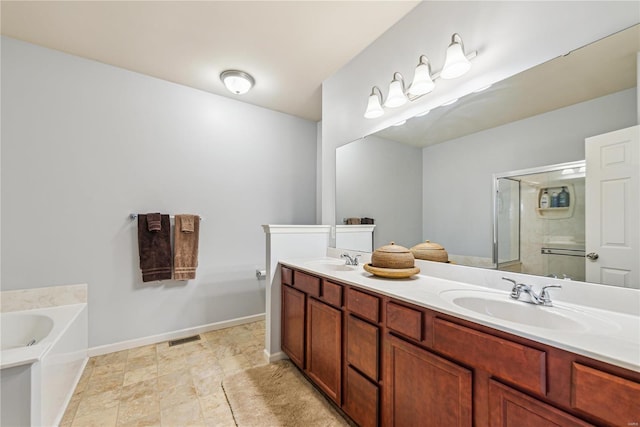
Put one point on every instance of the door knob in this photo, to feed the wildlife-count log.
(592, 256)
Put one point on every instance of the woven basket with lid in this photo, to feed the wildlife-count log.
(392, 256)
(430, 251)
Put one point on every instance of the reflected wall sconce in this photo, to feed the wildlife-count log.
(456, 63)
(236, 81)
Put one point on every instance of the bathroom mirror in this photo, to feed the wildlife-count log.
(432, 178)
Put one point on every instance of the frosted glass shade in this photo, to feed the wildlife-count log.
(422, 82)
(374, 109)
(396, 97)
(455, 63)
(237, 82)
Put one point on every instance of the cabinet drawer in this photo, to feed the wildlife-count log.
(306, 283)
(363, 346)
(364, 305)
(332, 293)
(515, 363)
(611, 398)
(361, 399)
(286, 276)
(404, 320)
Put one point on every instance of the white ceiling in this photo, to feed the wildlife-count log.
(289, 47)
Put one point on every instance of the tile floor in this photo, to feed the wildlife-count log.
(158, 385)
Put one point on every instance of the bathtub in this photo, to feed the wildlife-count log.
(43, 353)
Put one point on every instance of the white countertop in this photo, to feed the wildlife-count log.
(602, 334)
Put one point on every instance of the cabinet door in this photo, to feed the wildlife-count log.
(324, 348)
(293, 310)
(508, 407)
(423, 389)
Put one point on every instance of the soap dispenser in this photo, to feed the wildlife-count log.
(544, 200)
(563, 198)
(554, 200)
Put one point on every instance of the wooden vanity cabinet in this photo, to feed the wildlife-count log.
(293, 320)
(324, 348)
(311, 330)
(362, 358)
(423, 388)
(386, 362)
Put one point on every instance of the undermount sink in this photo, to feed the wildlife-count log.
(331, 264)
(501, 306)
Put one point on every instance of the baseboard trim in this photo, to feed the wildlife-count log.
(182, 333)
(275, 356)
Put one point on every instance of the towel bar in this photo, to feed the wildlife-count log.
(135, 216)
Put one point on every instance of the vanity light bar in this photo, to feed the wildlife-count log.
(457, 63)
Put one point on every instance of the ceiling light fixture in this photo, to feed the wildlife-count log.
(456, 64)
(236, 81)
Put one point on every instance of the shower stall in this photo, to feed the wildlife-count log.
(539, 221)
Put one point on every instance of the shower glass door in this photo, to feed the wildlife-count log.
(507, 223)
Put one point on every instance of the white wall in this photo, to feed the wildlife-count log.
(509, 36)
(381, 179)
(85, 144)
(457, 211)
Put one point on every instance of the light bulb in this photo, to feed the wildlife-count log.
(396, 97)
(456, 62)
(374, 109)
(422, 82)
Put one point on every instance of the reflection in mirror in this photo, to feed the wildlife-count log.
(432, 178)
(539, 221)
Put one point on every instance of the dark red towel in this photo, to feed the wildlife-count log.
(154, 248)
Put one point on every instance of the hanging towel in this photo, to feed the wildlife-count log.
(154, 248)
(187, 223)
(186, 247)
(154, 222)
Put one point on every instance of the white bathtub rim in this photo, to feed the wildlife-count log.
(63, 316)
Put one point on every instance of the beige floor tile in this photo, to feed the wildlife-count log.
(139, 408)
(207, 385)
(111, 382)
(97, 403)
(152, 420)
(103, 418)
(177, 395)
(174, 379)
(148, 388)
(206, 370)
(211, 403)
(147, 350)
(170, 366)
(108, 369)
(140, 374)
(197, 346)
(234, 364)
(106, 359)
(186, 414)
(70, 411)
(141, 362)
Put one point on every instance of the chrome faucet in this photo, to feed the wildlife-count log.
(542, 298)
(350, 260)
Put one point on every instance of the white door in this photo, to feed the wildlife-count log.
(612, 215)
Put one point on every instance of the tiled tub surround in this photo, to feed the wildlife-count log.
(38, 381)
(613, 337)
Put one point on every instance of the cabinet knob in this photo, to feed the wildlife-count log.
(592, 256)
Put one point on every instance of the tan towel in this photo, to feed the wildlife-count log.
(153, 222)
(187, 223)
(185, 258)
(154, 248)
